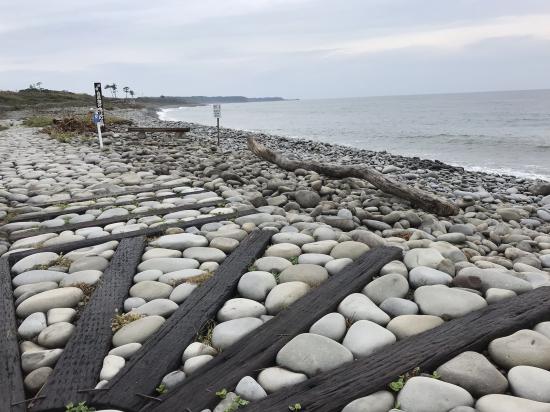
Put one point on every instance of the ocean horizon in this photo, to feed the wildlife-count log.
(504, 132)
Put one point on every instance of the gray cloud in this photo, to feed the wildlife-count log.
(294, 48)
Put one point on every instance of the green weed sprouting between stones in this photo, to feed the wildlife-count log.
(205, 336)
(295, 407)
(276, 275)
(60, 261)
(80, 407)
(293, 260)
(62, 137)
(398, 384)
(435, 375)
(161, 389)
(236, 404)
(123, 319)
(38, 121)
(222, 393)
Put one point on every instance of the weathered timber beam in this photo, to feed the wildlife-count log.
(12, 392)
(162, 352)
(107, 221)
(331, 391)
(77, 370)
(150, 231)
(259, 349)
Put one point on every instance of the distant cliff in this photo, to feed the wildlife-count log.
(200, 100)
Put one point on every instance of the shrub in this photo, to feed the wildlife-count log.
(38, 121)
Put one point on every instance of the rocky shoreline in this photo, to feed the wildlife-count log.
(497, 247)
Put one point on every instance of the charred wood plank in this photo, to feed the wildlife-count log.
(331, 391)
(41, 216)
(160, 354)
(259, 349)
(141, 189)
(107, 221)
(12, 392)
(78, 368)
(418, 197)
(150, 231)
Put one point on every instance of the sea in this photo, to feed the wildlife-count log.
(498, 132)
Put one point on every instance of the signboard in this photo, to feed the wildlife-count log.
(99, 103)
(217, 110)
(96, 118)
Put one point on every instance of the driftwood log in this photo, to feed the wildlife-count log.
(419, 198)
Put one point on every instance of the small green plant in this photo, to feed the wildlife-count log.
(435, 375)
(252, 268)
(295, 407)
(398, 384)
(293, 260)
(236, 404)
(62, 137)
(80, 407)
(38, 121)
(222, 393)
(161, 389)
(123, 319)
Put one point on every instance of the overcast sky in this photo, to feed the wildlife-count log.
(290, 48)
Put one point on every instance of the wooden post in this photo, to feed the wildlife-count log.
(218, 121)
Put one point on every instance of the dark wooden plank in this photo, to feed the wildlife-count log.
(332, 390)
(107, 221)
(259, 349)
(11, 376)
(159, 129)
(162, 353)
(154, 187)
(78, 367)
(40, 216)
(150, 231)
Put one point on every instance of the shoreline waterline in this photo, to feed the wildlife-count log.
(163, 114)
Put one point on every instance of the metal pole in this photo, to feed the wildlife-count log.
(218, 119)
(99, 134)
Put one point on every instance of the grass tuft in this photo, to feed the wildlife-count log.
(205, 335)
(38, 121)
(123, 319)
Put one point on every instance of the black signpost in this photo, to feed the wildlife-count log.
(99, 117)
(99, 101)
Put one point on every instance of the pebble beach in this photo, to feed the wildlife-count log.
(496, 248)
